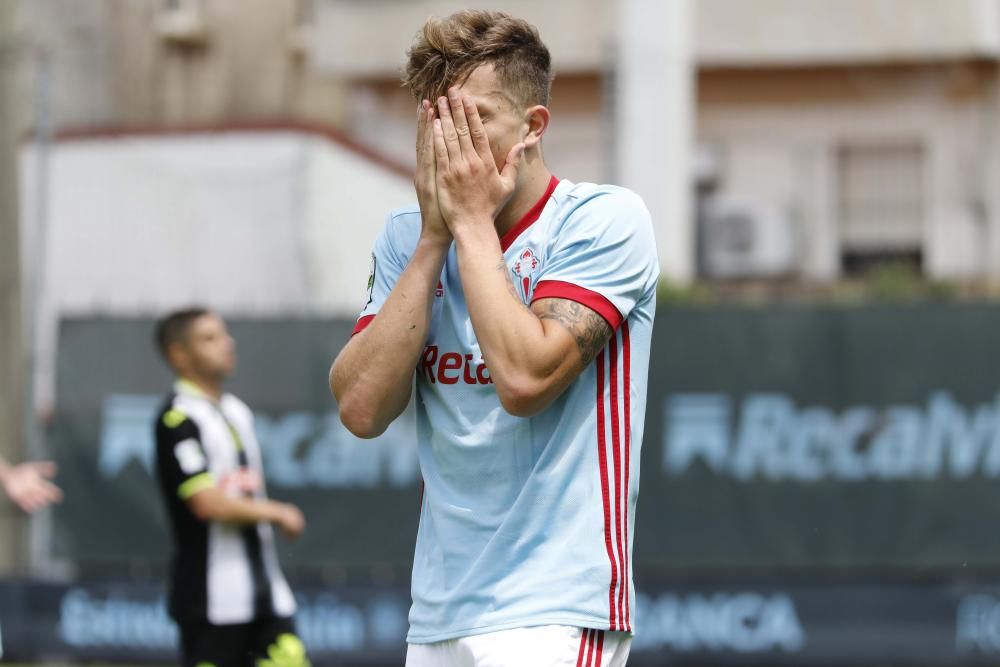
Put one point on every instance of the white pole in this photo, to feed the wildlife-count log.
(653, 118)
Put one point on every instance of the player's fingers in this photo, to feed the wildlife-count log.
(458, 114)
(51, 493)
(477, 132)
(448, 131)
(44, 468)
(509, 173)
(421, 126)
(426, 156)
(440, 149)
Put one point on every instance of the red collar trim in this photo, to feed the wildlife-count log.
(528, 218)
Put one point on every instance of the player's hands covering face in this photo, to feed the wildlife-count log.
(424, 180)
(470, 188)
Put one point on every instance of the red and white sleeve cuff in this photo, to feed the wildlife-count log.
(557, 289)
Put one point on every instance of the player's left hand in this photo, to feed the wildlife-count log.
(29, 487)
(470, 188)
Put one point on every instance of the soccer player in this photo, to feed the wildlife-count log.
(526, 305)
(28, 485)
(227, 592)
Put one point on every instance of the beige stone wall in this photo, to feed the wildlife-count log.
(370, 39)
(800, 32)
(726, 32)
(113, 64)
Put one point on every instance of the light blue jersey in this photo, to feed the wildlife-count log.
(528, 521)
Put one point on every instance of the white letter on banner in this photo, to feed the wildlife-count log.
(847, 463)
(744, 616)
(810, 442)
(950, 434)
(895, 448)
(279, 439)
(991, 462)
(339, 459)
(781, 624)
(763, 426)
(695, 426)
(971, 626)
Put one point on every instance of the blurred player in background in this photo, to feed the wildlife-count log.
(28, 485)
(526, 305)
(227, 592)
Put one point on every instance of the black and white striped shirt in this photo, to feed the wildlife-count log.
(221, 573)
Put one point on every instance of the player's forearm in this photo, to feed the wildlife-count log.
(520, 356)
(214, 505)
(372, 377)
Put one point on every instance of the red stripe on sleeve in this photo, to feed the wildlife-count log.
(362, 324)
(557, 289)
(602, 458)
(627, 388)
(616, 454)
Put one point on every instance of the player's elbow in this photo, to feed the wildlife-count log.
(523, 397)
(204, 506)
(336, 379)
(355, 412)
(360, 418)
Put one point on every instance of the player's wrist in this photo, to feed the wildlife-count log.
(437, 242)
(474, 230)
(273, 511)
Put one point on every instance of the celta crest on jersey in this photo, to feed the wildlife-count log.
(525, 266)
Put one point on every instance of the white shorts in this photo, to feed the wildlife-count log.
(542, 646)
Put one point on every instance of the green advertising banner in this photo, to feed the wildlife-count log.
(361, 498)
(823, 438)
(794, 439)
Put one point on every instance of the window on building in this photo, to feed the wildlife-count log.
(881, 205)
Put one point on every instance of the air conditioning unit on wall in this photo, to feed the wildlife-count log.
(182, 22)
(740, 238)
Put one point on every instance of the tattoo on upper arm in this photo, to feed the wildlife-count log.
(590, 330)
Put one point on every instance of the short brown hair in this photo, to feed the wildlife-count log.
(174, 327)
(446, 51)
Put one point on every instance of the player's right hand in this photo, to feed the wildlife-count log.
(433, 226)
(290, 521)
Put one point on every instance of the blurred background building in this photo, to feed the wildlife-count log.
(816, 151)
(827, 135)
